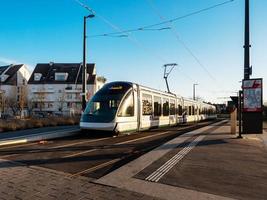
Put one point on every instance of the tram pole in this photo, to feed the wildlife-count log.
(194, 91)
(247, 67)
(84, 71)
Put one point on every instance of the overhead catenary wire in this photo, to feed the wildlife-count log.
(131, 38)
(142, 28)
(127, 35)
(176, 35)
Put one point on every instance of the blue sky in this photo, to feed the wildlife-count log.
(51, 30)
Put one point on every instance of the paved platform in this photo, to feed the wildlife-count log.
(207, 163)
(20, 182)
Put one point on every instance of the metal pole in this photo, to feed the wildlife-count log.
(194, 91)
(240, 114)
(84, 71)
(247, 69)
(167, 84)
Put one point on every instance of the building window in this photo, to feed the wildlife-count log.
(61, 76)
(69, 96)
(172, 107)
(157, 106)
(127, 106)
(37, 76)
(166, 107)
(147, 104)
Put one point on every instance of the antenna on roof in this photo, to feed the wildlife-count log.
(167, 70)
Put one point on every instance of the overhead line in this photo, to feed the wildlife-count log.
(176, 35)
(130, 37)
(165, 21)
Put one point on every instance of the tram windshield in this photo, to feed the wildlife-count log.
(104, 104)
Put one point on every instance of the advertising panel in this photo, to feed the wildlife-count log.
(252, 93)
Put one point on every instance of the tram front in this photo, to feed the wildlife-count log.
(100, 113)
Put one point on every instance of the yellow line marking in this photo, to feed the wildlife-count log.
(149, 136)
(82, 142)
(126, 142)
(80, 153)
(21, 145)
(96, 167)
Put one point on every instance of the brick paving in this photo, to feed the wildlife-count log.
(21, 182)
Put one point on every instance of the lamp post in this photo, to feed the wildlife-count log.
(84, 71)
(194, 91)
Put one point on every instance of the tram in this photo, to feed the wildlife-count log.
(126, 107)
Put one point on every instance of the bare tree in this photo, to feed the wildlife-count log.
(39, 99)
(11, 105)
(10, 101)
(22, 98)
(62, 100)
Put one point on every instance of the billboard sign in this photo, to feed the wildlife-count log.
(252, 93)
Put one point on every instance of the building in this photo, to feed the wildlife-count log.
(55, 88)
(13, 89)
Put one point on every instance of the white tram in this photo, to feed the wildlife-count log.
(125, 106)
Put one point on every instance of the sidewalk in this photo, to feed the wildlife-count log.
(37, 134)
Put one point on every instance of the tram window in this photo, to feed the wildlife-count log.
(147, 104)
(127, 107)
(157, 106)
(193, 110)
(185, 110)
(189, 110)
(166, 107)
(180, 110)
(172, 108)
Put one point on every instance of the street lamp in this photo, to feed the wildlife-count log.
(194, 91)
(84, 72)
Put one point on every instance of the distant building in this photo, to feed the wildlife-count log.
(55, 88)
(13, 89)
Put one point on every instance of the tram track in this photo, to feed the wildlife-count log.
(96, 156)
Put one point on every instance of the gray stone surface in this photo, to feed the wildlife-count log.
(21, 182)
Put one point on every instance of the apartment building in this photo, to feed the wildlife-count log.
(55, 88)
(13, 89)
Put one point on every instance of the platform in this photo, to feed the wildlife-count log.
(209, 163)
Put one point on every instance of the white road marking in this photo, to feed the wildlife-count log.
(167, 166)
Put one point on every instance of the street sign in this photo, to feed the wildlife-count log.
(252, 93)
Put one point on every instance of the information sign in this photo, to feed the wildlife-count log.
(252, 93)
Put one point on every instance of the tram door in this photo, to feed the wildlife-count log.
(127, 115)
(146, 110)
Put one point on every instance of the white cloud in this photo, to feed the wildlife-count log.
(8, 61)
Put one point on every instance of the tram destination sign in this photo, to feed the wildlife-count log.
(252, 93)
